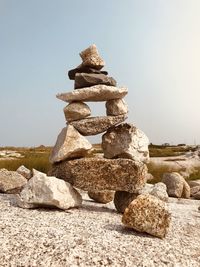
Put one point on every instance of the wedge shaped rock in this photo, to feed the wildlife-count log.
(90, 79)
(84, 69)
(99, 92)
(70, 144)
(91, 57)
(76, 111)
(97, 174)
(96, 125)
(44, 191)
(116, 107)
(125, 141)
(11, 181)
(24, 172)
(147, 214)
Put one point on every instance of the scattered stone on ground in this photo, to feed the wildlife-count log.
(11, 181)
(125, 141)
(94, 93)
(116, 107)
(104, 196)
(90, 79)
(147, 214)
(159, 190)
(24, 172)
(97, 125)
(76, 111)
(44, 191)
(96, 174)
(193, 183)
(70, 144)
(176, 185)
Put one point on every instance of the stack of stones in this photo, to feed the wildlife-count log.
(125, 147)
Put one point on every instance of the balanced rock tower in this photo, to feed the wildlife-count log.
(125, 147)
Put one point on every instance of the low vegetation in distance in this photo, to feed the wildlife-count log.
(38, 158)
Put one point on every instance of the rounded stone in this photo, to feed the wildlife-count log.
(122, 199)
(76, 111)
(104, 197)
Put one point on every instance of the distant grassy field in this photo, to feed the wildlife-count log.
(38, 158)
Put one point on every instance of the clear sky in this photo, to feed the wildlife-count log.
(150, 46)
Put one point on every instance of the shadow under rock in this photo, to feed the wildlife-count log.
(96, 208)
(127, 231)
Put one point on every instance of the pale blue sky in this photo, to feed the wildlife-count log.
(150, 46)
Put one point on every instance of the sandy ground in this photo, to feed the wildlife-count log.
(94, 236)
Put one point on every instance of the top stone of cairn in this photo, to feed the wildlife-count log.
(91, 58)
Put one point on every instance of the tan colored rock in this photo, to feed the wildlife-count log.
(91, 58)
(97, 125)
(44, 191)
(24, 172)
(96, 174)
(104, 196)
(176, 185)
(94, 93)
(70, 144)
(125, 141)
(147, 214)
(76, 111)
(123, 199)
(11, 182)
(193, 183)
(116, 107)
(195, 190)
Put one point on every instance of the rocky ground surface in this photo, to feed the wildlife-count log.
(94, 236)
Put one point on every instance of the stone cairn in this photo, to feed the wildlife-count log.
(125, 148)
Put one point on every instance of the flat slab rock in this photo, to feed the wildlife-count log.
(90, 79)
(99, 92)
(84, 69)
(93, 174)
(97, 125)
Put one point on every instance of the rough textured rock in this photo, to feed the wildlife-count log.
(123, 199)
(176, 185)
(116, 107)
(194, 183)
(97, 125)
(102, 196)
(76, 111)
(70, 144)
(91, 58)
(147, 214)
(11, 181)
(42, 191)
(159, 190)
(84, 69)
(96, 174)
(125, 141)
(90, 79)
(24, 172)
(195, 192)
(94, 93)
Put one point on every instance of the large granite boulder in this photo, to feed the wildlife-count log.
(104, 196)
(97, 125)
(176, 185)
(11, 182)
(76, 111)
(84, 69)
(94, 93)
(147, 214)
(24, 172)
(44, 191)
(97, 174)
(70, 144)
(91, 58)
(123, 199)
(89, 79)
(125, 141)
(116, 107)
